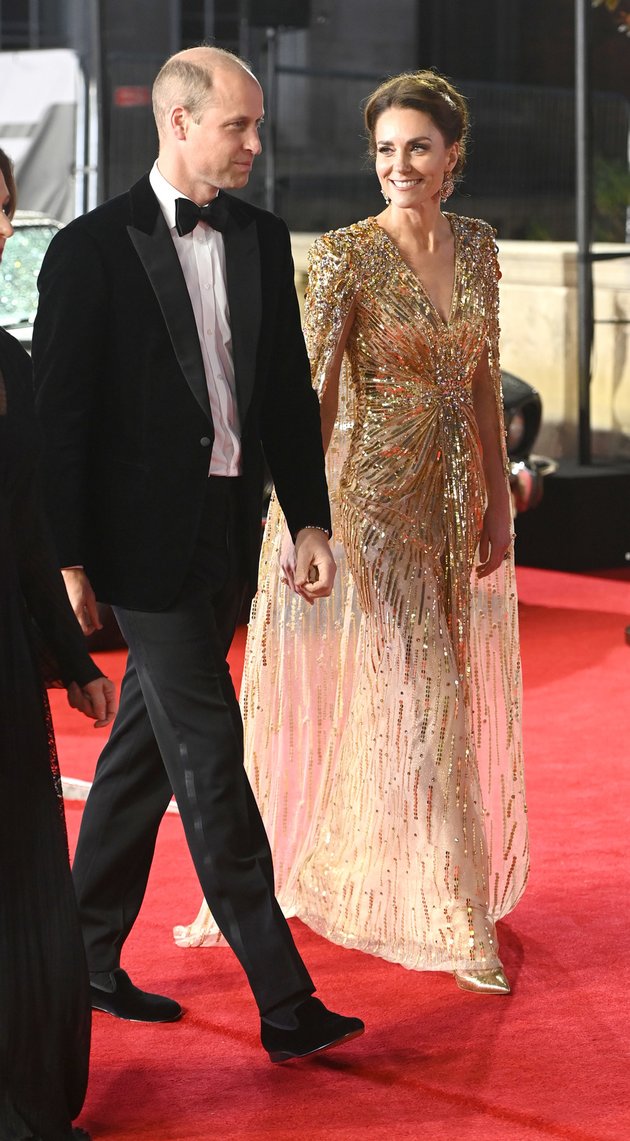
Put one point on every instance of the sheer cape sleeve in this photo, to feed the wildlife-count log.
(492, 278)
(495, 670)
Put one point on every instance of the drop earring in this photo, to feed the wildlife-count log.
(387, 200)
(447, 186)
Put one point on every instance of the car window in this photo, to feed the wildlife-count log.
(19, 269)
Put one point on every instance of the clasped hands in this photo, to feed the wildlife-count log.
(308, 566)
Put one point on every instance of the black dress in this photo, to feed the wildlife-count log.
(44, 996)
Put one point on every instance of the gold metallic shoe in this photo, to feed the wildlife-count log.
(483, 982)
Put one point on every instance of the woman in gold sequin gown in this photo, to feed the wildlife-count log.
(383, 725)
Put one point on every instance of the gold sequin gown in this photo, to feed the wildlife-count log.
(382, 726)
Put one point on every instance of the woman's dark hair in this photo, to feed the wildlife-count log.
(6, 168)
(422, 91)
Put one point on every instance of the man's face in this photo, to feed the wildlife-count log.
(218, 151)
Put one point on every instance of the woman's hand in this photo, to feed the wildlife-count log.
(497, 533)
(496, 537)
(97, 700)
(288, 559)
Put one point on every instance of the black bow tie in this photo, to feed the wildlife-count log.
(187, 214)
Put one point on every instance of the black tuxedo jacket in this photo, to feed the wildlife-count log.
(122, 396)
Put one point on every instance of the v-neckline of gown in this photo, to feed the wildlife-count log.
(444, 323)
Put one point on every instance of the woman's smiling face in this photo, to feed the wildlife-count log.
(412, 157)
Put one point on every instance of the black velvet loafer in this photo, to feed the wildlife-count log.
(317, 1029)
(114, 993)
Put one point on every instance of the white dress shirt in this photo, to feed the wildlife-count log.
(202, 257)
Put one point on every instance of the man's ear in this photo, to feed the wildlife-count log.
(178, 119)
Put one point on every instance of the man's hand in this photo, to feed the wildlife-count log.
(315, 568)
(97, 700)
(82, 599)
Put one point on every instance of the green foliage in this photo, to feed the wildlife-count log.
(536, 231)
(611, 200)
(621, 14)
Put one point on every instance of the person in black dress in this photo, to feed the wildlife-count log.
(44, 988)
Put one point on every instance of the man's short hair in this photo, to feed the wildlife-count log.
(188, 82)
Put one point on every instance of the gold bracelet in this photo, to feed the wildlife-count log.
(314, 527)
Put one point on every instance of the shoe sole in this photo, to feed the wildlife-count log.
(146, 1021)
(484, 990)
(279, 1056)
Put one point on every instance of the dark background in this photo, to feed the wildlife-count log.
(514, 59)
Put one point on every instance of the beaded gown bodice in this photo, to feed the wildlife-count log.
(413, 467)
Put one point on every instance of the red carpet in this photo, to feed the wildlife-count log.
(551, 1061)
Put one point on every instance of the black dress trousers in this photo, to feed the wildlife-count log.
(179, 730)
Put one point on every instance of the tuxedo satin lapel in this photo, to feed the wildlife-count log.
(159, 258)
(242, 259)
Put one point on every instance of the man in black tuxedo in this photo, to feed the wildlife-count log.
(168, 360)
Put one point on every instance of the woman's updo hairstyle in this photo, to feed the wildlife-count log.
(422, 91)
